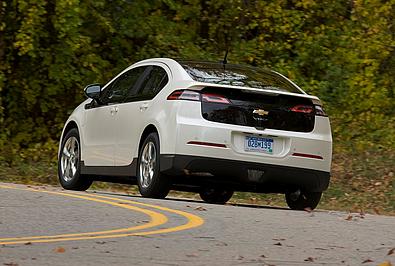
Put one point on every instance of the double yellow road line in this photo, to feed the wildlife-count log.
(157, 219)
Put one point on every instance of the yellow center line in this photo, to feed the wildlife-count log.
(156, 220)
(193, 220)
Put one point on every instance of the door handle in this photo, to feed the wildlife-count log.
(143, 107)
(114, 110)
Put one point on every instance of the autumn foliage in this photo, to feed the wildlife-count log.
(342, 51)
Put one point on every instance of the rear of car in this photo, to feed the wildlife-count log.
(248, 129)
(213, 128)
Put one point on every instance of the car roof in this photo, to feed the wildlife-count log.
(179, 73)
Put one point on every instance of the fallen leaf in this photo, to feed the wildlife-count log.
(308, 209)
(28, 243)
(191, 255)
(366, 261)
(391, 251)
(349, 217)
(309, 259)
(278, 244)
(200, 208)
(59, 250)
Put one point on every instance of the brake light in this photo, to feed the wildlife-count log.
(184, 95)
(319, 110)
(214, 98)
(307, 109)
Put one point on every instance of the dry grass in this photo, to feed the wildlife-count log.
(361, 182)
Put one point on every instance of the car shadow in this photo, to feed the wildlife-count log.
(245, 205)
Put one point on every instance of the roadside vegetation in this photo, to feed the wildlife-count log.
(341, 51)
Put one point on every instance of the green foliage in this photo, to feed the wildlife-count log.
(342, 51)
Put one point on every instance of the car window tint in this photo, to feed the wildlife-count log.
(238, 75)
(119, 88)
(153, 82)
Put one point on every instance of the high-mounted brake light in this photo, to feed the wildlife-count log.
(184, 95)
(307, 109)
(214, 98)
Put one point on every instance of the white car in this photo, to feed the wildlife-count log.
(212, 128)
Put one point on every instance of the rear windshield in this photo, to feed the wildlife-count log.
(237, 75)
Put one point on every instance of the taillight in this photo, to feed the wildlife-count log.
(319, 110)
(307, 109)
(196, 96)
(184, 95)
(214, 98)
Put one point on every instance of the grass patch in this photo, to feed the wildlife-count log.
(361, 181)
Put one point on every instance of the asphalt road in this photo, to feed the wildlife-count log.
(50, 226)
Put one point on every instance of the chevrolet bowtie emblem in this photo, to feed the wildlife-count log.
(260, 112)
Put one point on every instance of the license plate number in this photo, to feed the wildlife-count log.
(258, 144)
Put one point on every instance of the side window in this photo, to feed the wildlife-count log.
(118, 89)
(153, 82)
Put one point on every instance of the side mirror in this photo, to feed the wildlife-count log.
(93, 91)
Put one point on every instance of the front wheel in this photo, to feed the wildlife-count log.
(216, 195)
(69, 168)
(303, 200)
(151, 183)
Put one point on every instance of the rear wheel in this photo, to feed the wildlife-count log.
(216, 195)
(303, 200)
(69, 167)
(151, 183)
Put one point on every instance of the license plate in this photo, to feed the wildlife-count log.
(258, 144)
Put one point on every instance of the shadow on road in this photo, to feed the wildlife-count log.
(190, 200)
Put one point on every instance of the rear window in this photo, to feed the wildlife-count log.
(238, 75)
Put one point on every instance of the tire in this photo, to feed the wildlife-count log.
(215, 195)
(151, 183)
(305, 200)
(69, 163)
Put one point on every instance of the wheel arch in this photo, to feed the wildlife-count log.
(69, 125)
(148, 130)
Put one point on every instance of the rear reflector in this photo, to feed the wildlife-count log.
(218, 145)
(307, 155)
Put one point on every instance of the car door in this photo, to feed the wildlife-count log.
(100, 126)
(132, 114)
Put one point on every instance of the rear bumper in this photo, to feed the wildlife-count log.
(241, 175)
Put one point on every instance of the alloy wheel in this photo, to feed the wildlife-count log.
(69, 159)
(147, 164)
